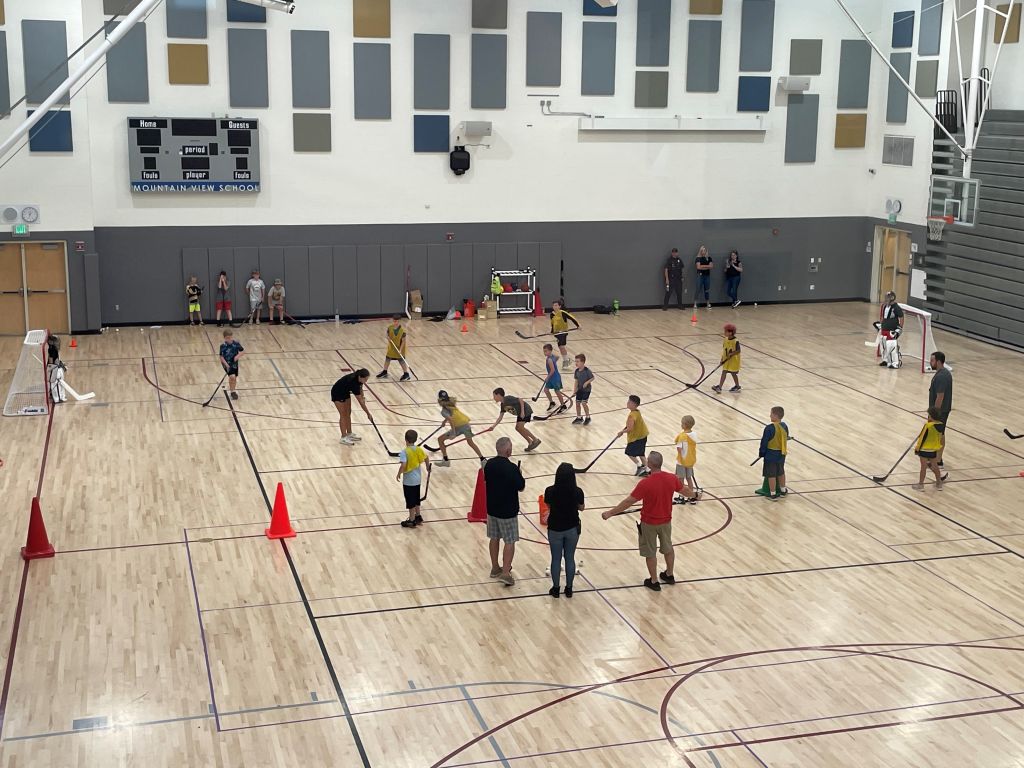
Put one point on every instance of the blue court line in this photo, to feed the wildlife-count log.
(483, 724)
(278, 371)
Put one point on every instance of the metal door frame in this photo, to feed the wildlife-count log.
(24, 275)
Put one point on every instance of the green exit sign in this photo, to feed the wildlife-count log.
(20, 230)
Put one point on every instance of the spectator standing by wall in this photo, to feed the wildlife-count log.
(673, 279)
(733, 275)
(704, 266)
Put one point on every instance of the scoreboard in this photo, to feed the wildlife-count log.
(185, 154)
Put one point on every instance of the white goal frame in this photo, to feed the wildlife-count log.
(33, 354)
(922, 348)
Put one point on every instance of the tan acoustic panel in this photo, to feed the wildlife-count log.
(188, 64)
(2, 17)
(706, 7)
(851, 131)
(371, 18)
(1013, 32)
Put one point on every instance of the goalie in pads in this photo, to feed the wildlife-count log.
(55, 370)
(889, 328)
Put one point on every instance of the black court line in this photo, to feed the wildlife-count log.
(156, 376)
(305, 601)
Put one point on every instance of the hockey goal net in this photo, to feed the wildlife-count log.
(27, 394)
(916, 342)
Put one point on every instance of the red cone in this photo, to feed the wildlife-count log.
(478, 512)
(538, 305)
(280, 525)
(545, 510)
(37, 544)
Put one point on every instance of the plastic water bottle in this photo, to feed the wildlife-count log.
(336, 318)
(615, 306)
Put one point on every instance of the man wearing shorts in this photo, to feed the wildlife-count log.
(504, 481)
(940, 394)
(655, 526)
(349, 385)
(523, 412)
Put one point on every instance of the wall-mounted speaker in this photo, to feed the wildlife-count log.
(459, 160)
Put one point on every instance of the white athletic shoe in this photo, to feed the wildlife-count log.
(354, 436)
(347, 441)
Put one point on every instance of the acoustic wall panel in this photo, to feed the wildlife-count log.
(245, 13)
(703, 56)
(321, 280)
(5, 85)
(311, 69)
(903, 29)
(896, 103)
(248, 77)
(490, 14)
(651, 89)
(367, 298)
(110, 7)
(392, 288)
(805, 57)
(851, 131)
(128, 68)
(188, 64)
(755, 94)
(296, 280)
(462, 286)
(44, 50)
(926, 81)
(802, 128)
(757, 35)
(186, 18)
(311, 131)
(247, 258)
(371, 18)
(705, 7)
(372, 74)
(346, 279)
(271, 259)
(431, 71)
(439, 281)
(928, 37)
(431, 133)
(590, 8)
(489, 65)
(1013, 30)
(598, 76)
(653, 27)
(52, 133)
(3, 15)
(854, 74)
(543, 49)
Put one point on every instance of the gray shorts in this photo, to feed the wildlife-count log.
(466, 430)
(684, 473)
(504, 528)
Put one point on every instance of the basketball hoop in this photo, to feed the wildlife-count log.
(936, 224)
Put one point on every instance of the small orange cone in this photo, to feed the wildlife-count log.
(280, 525)
(478, 512)
(74, 344)
(538, 305)
(693, 317)
(545, 510)
(465, 328)
(458, 315)
(37, 544)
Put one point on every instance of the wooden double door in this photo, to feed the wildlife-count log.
(34, 287)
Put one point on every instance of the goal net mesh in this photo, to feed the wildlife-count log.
(916, 342)
(27, 393)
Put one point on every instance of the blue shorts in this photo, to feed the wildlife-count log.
(637, 448)
(554, 383)
(582, 395)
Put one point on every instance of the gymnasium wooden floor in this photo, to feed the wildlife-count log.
(850, 624)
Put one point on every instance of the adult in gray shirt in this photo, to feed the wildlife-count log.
(523, 413)
(940, 393)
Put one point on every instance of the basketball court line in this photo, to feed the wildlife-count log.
(202, 634)
(156, 375)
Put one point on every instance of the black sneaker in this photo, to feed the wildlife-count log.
(234, 395)
(716, 388)
(419, 520)
(737, 388)
(405, 377)
(653, 585)
(552, 406)
(578, 420)
(586, 421)
(667, 578)
(408, 523)
(554, 592)
(645, 472)
(568, 591)
(638, 471)
(382, 374)
(883, 365)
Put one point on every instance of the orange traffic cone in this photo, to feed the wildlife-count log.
(538, 305)
(74, 344)
(478, 512)
(280, 525)
(37, 544)
(465, 328)
(458, 315)
(545, 510)
(693, 317)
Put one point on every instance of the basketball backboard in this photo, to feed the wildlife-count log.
(956, 197)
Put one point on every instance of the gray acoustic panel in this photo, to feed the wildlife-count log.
(805, 57)
(311, 131)
(489, 64)
(506, 256)
(431, 70)
(651, 89)
(367, 298)
(91, 270)
(128, 68)
(196, 261)
(438, 295)
(271, 264)
(5, 86)
(549, 271)
(930, 31)
(346, 280)
(392, 277)
(372, 80)
(248, 80)
(483, 262)
(44, 51)
(490, 14)
(703, 56)
(757, 35)
(896, 102)
(543, 49)
(296, 280)
(247, 258)
(462, 286)
(321, 280)
(898, 150)
(598, 77)
(653, 28)
(110, 7)
(415, 269)
(311, 69)
(854, 74)
(186, 18)
(927, 78)
(802, 128)
(528, 255)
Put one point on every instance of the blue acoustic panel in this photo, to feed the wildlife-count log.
(703, 56)
(802, 128)
(431, 133)
(598, 58)
(311, 69)
(854, 74)
(128, 68)
(755, 94)
(186, 18)
(928, 38)
(243, 12)
(248, 79)
(5, 88)
(653, 28)
(757, 35)
(45, 58)
(590, 8)
(543, 49)
(489, 75)
(431, 71)
(902, 29)
(896, 102)
(372, 75)
(52, 133)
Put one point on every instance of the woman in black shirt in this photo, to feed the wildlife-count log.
(733, 275)
(565, 499)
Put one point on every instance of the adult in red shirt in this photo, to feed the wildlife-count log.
(655, 492)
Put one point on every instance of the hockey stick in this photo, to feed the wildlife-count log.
(86, 396)
(454, 442)
(755, 461)
(1011, 435)
(707, 376)
(293, 321)
(521, 335)
(560, 409)
(400, 357)
(542, 385)
(883, 478)
(426, 487)
(421, 442)
(392, 454)
(599, 455)
(215, 391)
